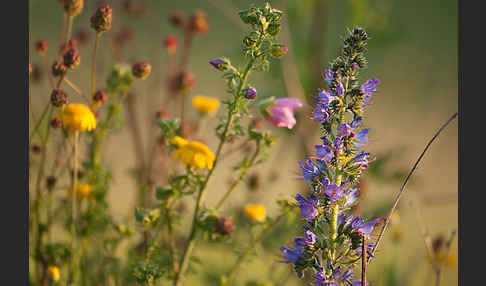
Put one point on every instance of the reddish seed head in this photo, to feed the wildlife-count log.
(170, 43)
(181, 81)
(56, 122)
(198, 22)
(100, 97)
(176, 18)
(41, 46)
(71, 58)
(73, 7)
(58, 68)
(257, 123)
(141, 70)
(58, 97)
(162, 114)
(224, 226)
(72, 44)
(101, 19)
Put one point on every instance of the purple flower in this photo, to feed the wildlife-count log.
(325, 182)
(334, 192)
(364, 228)
(307, 206)
(344, 219)
(351, 196)
(309, 238)
(358, 283)
(282, 113)
(320, 114)
(344, 129)
(324, 98)
(340, 89)
(369, 87)
(361, 158)
(290, 255)
(338, 144)
(215, 63)
(250, 93)
(329, 76)
(361, 138)
(309, 169)
(324, 152)
(356, 122)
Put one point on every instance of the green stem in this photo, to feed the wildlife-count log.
(68, 31)
(93, 67)
(74, 262)
(191, 240)
(170, 238)
(240, 178)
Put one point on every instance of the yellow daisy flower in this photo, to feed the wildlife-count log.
(205, 104)
(255, 212)
(193, 153)
(77, 117)
(54, 272)
(82, 190)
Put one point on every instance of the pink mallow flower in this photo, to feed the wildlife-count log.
(280, 111)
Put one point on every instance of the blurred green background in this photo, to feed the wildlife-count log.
(413, 51)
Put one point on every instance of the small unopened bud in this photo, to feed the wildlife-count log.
(55, 122)
(198, 22)
(58, 68)
(176, 18)
(221, 64)
(224, 226)
(100, 97)
(250, 93)
(71, 58)
(141, 70)
(162, 114)
(41, 46)
(170, 43)
(58, 97)
(101, 19)
(278, 50)
(73, 7)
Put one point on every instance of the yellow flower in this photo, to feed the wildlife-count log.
(193, 153)
(54, 273)
(255, 212)
(77, 117)
(82, 190)
(205, 104)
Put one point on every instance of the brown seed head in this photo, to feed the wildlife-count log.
(141, 70)
(101, 19)
(71, 58)
(41, 46)
(198, 22)
(73, 7)
(58, 97)
(58, 68)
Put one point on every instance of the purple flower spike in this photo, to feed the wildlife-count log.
(324, 98)
(364, 228)
(328, 76)
(334, 192)
(215, 63)
(361, 138)
(320, 114)
(344, 129)
(282, 113)
(324, 152)
(308, 211)
(369, 87)
(250, 93)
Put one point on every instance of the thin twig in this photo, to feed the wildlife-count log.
(75, 88)
(425, 236)
(363, 262)
(402, 188)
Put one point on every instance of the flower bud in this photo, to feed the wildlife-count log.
(58, 97)
(71, 58)
(72, 44)
(162, 114)
(101, 19)
(278, 50)
(41, 46)
(221, 64)
(176, 18)
(58, 68)
(170, 43)
(73, 7)
(182, 81)
(198, 22)
(224, 226)
(141, 70)
(250, 93)
(56, 122)
(100, 97)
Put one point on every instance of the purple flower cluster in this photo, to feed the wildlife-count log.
(292, 255)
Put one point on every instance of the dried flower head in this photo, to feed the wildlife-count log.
(198, 22)
(101, 19)
(71, 58)
(141, 70)
(99, 98)
(77, 117)
(58, 68)
(73, 7)
(56, 122)
(71, 44)
(176, 18)
(170, 43)
(224, 226)
(41, 46)
(58, 97)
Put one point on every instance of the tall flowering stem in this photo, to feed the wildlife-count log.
(334, 240)
(258, 47)
(74, 250)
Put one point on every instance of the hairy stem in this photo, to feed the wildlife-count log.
(93, 68)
